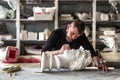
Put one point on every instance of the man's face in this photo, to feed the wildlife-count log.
(72, 32)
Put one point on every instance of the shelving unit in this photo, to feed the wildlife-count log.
(62, 7)
(40, 25)
(104, 6)
(17, 22)
(9, 23)
(56, 22)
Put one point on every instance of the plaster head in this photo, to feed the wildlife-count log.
(78, 59)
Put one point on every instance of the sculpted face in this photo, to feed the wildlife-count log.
(71, 54)
(78, 59)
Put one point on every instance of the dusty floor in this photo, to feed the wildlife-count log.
(31, 71)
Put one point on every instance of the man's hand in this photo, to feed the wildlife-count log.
(64, 47)
(103, 67)
(60, 51)
(100, 65)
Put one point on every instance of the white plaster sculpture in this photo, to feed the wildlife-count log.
(83, 16)
(111, 42)
(72, 59)
(9, 54)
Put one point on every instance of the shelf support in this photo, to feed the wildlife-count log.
(94, 25)
(18, 25)
(56, 15)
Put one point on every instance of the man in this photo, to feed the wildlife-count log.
(71, 37)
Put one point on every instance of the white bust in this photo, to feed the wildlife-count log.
(73, 59)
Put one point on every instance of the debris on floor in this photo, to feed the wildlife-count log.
(12, 69)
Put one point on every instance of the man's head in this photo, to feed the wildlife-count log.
(75, 29)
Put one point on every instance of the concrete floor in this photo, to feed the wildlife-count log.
(33, 73)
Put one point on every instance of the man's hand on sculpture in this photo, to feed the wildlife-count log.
(103, 67)
(99, 64)
(60, 51)
(63, 48)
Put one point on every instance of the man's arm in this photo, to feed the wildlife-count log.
(94, 55)
(53, 52)
(60, 51)
(100, 65)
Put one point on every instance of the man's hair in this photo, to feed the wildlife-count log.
(80, 26)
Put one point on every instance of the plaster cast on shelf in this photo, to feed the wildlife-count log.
(72, 59)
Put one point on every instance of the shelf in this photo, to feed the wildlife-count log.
(11, 42)
(35, 21)
(35, 3)
(32, 42)
(25, 41)
(7, 20)
(76, 0)
(24, 20)
(103, 1)
(38, 0)
(68, 21)
(108, 22)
